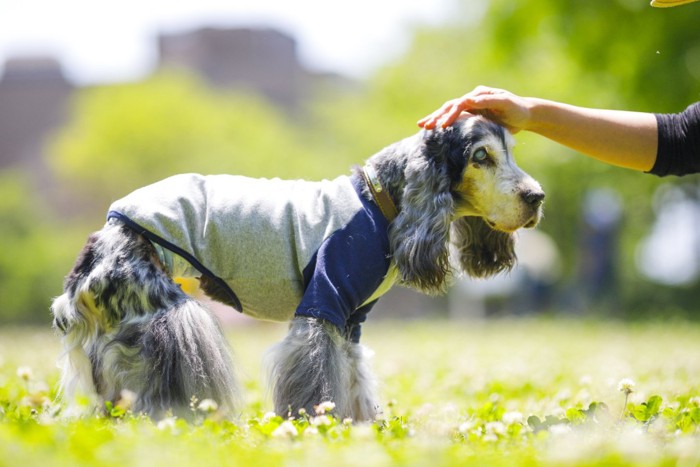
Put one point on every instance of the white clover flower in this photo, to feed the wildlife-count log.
(285, 430)
(626, 385)
(511, 418)
(41, 386)
(559, 429)
(466, 427)
(584, 397)
(35, 401)
(166, 424)
(324, 407)
(193, 403)
(695, 401)
(208, 406)
(495, 428)
(25, 373)
(268, 416)
(364, 431)
(563, 395)
(321, 420)
(126, 399)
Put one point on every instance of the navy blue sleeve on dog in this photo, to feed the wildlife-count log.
(346, 270)
(354, 326)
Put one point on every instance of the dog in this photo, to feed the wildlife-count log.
(317, 254)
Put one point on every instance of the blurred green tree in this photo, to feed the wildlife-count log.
(125, 136)
(599, 53)
(36, 252)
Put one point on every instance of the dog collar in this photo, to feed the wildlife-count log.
(381, 197)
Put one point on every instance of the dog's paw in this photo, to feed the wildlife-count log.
(63, 314)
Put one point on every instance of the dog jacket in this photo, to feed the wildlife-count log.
(278, 247)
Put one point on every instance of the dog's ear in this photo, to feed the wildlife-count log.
(480, 250)
(420, 234)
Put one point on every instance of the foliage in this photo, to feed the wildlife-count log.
(606, 53)
(128, 135)
(504, 393)
(601, 53)
(36, 252)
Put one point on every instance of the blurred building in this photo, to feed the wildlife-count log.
(34, 96)
(263, 61)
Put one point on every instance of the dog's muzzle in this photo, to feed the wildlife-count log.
(534, 200)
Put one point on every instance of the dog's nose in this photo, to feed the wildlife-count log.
(533, 198)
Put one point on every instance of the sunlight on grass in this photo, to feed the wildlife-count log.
(521, 392)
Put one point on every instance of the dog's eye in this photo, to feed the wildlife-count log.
(480, 155)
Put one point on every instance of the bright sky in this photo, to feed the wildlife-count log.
(101, 41)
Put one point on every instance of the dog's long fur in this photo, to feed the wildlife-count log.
(128, 326)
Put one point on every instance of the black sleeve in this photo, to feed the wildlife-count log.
(678, 152)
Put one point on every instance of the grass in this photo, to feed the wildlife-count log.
(515, 392)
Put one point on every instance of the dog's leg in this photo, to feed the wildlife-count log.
(363, 399)
(310, 366)
(76, 369)
(128, 326)
(78, 322)
(189, 356)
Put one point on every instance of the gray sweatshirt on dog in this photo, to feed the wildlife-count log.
(281, 247)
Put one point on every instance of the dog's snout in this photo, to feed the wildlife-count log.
(533, 198)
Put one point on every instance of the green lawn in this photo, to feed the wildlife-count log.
(519, 392)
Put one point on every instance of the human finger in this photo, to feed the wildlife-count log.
(430, 121)
(449, 117)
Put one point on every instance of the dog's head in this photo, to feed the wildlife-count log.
(462, 188)
(492, 186)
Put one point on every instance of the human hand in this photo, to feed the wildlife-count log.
(501, 106)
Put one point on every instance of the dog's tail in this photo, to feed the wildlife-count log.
(127, 326)
(189, 361)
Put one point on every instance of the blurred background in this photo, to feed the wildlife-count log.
(98, 99)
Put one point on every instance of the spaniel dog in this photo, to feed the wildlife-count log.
(318, 254)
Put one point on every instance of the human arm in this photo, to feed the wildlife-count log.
(622, 138)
